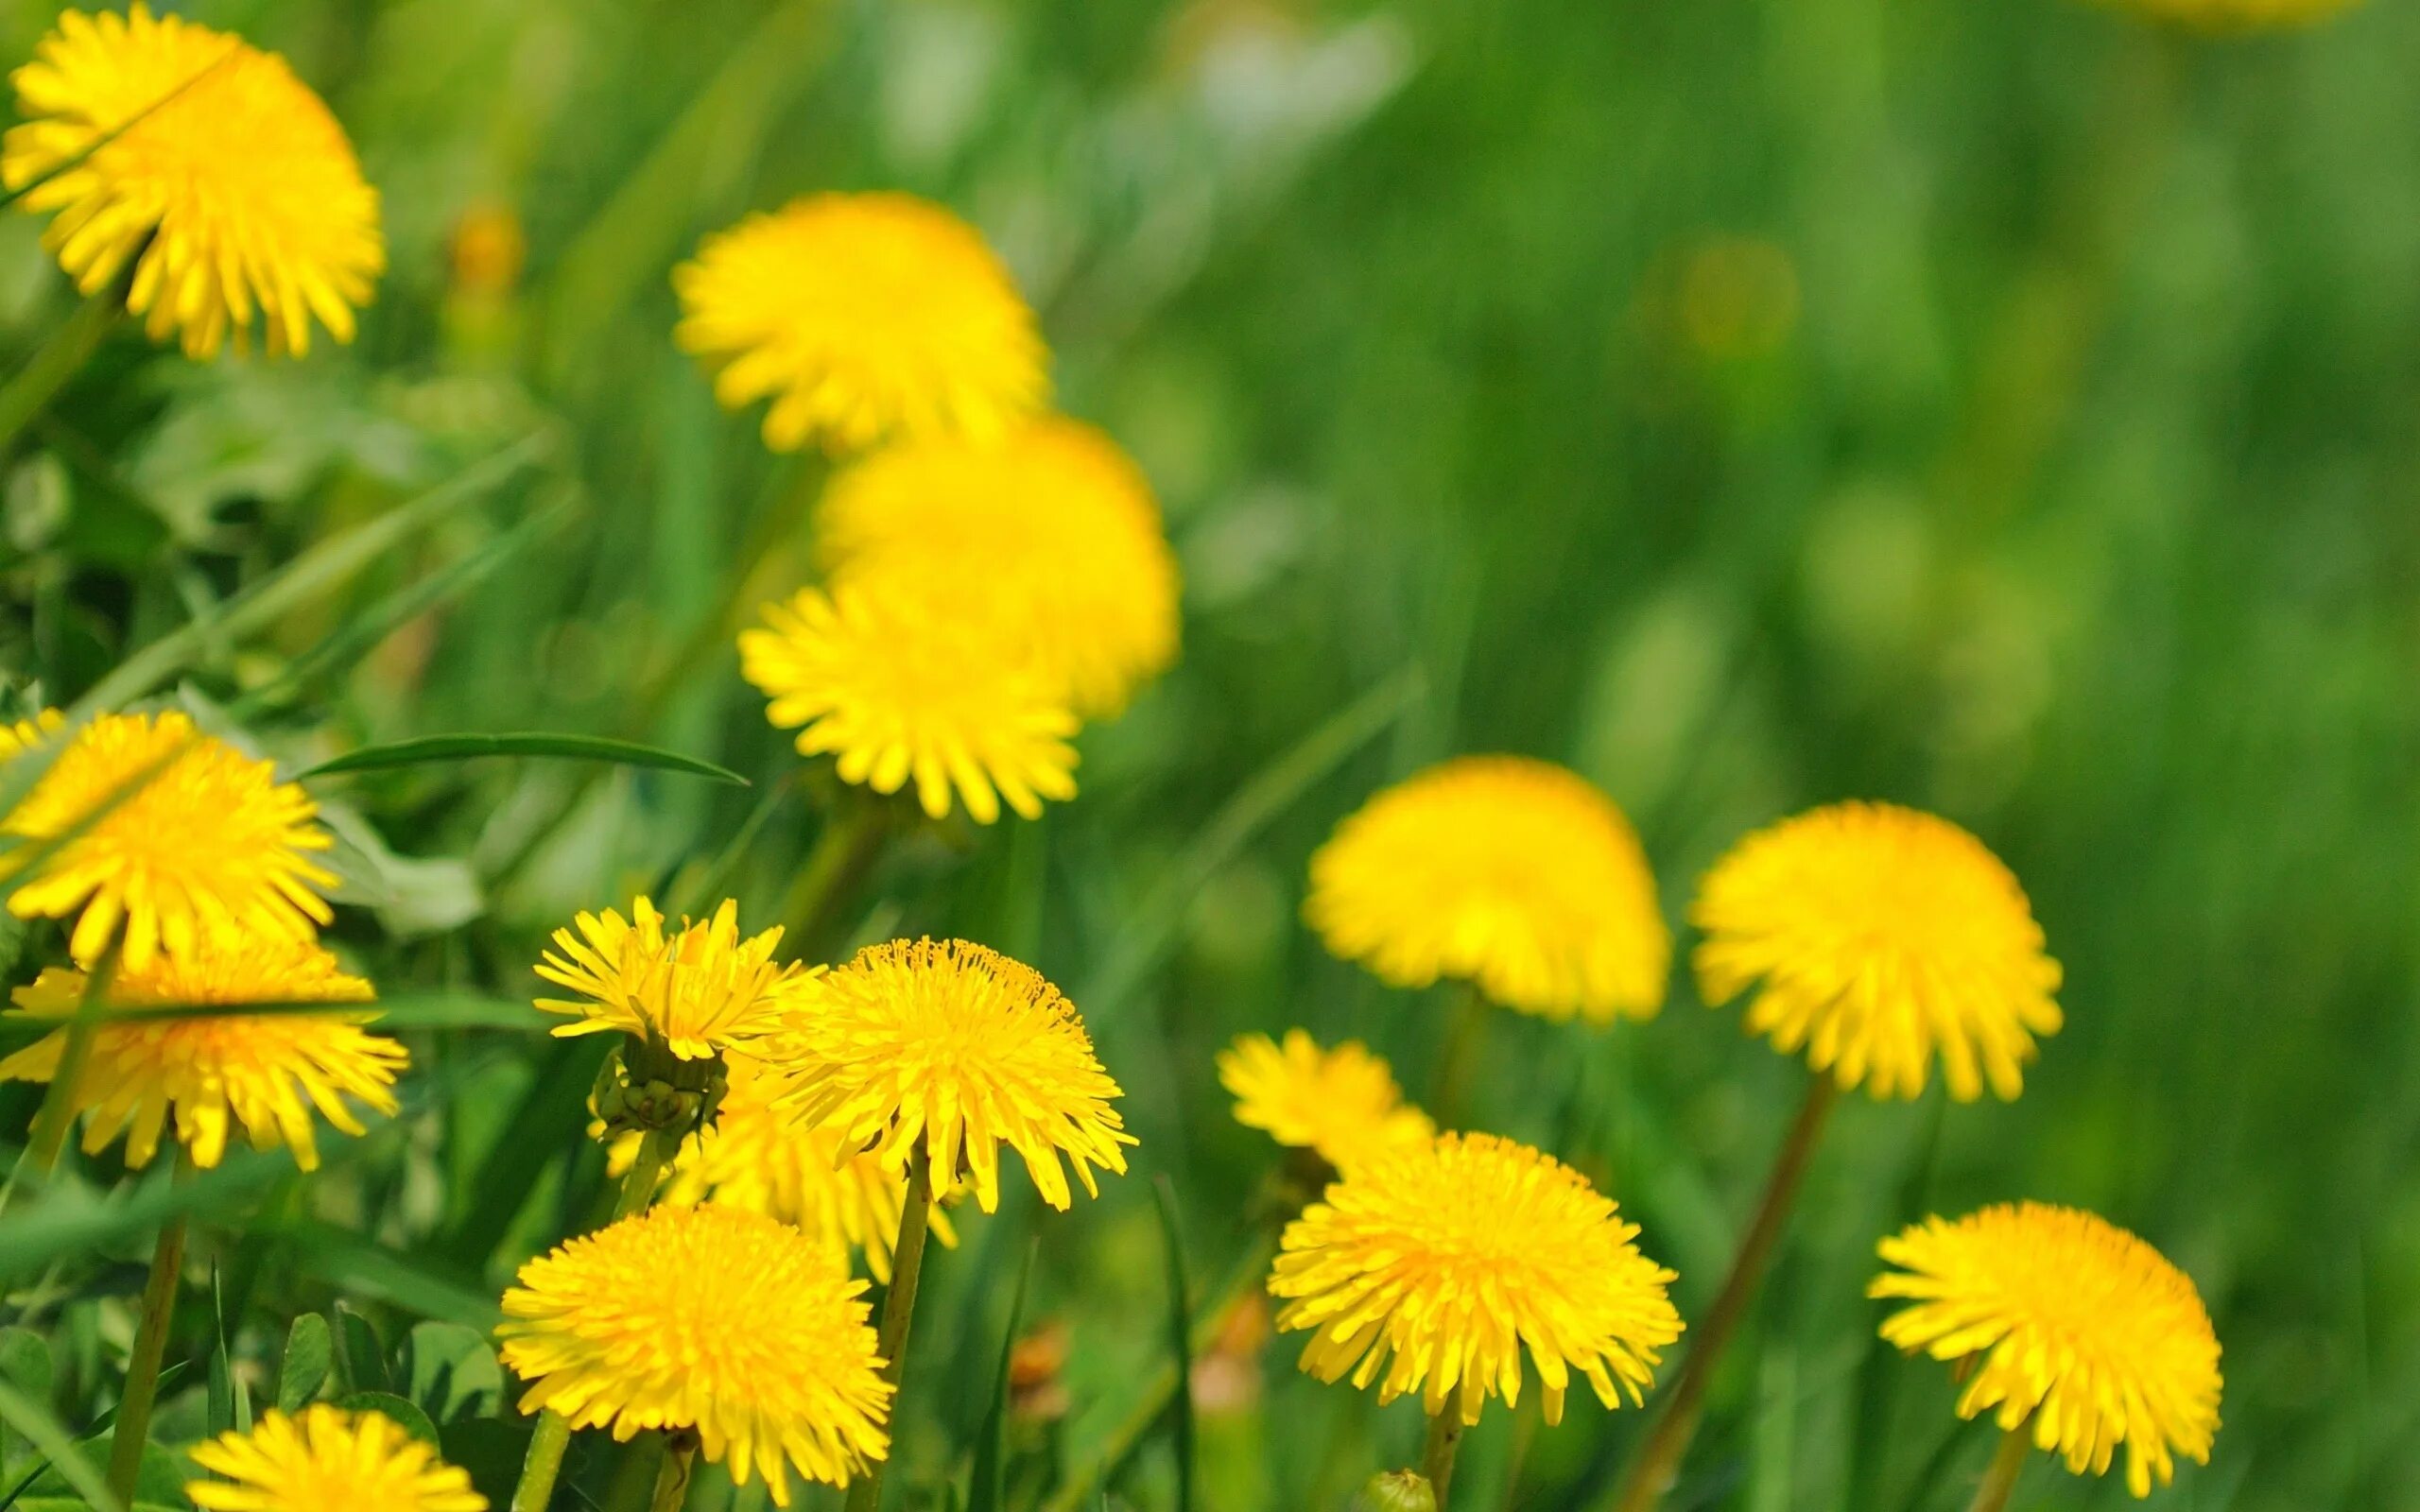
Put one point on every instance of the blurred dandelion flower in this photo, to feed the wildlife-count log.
(327, 1457)
(210, 165)
(1437, 1263)
(1877, 937)
(1051, 538)
(896, 688)
(1511, 873)
(1342, 1103)
(866, 318)
(760, 1155)
(962, 1048)
(698, 990)
(265, 1070)
(23, 734)
(2061, 1318)
(712, 1318)
(211, 842)
(2235, 15)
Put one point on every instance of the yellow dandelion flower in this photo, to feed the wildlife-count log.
(211, 842)
(210, 165)
(2235, 15)
(865, 317)
(965, 1050)
(894, 688)
(20, 736)
(1342, 1103)
(1513, 874)
(1437, 1263)
(264, 1071)
(760, 1155)
(1877, 937)
(2060, 1318)
(1052, 538)
(697, 991)
(327, 1457)
(712, 1318)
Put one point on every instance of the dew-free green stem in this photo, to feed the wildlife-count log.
(543, 1463)
(1438, 1449)
(899, 1309)
(57, 360)
(134, 1422)
(1651, 1474)
(2000, 1479)
(1457, 1061)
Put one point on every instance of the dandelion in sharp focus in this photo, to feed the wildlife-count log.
(1341, 1103)
(324, 1458)
(1430, 1269)
(957, 1050)
(2067, 1327)
(864, 317)
(202, 839)
(206, 163)
(695, 991)
(1513, 874)
(1876, 938)
(895, 688)
(712, 1318)
(265, 1072)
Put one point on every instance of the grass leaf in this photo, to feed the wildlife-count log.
(33, 1422)
(1179, 1324)
(986, 1485)
(436, 748)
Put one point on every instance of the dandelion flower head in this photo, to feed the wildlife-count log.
(712, 1318)
(267, 1072)
(865, 317)
(1876, 937)
(895, 687)
(1513, 874)
(1051, 537)
(2066, 1320)
(326, 1457)
(209, 841)
(205, 162)
(1429, 1268)
(959, 1049)
(697, 991)
(1342, 1103)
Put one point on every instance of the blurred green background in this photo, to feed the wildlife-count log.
(2009, 409)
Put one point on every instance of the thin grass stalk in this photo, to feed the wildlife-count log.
(899, 1309)
(58, 359)
(1667, 1444)
(1999, 1481)
(47, 1138)
(132, 1425)
(1438, 1447)
(844, 852)
(1457, 1060)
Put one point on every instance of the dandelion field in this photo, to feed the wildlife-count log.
(1924, 492)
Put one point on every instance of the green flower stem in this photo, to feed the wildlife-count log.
(47, 1139)
(134, 1422)
(543, 1463)
(1437, 1450)
(1651, 1473)
(844, 851)
(672, 1479)
(899, 1309)
(1457, 1060)
(2000, 1479)
(57, 360)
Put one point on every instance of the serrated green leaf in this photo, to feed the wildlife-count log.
(436, 749)
(310, 1357)
(387, 1404)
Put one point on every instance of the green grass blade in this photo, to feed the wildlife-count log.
(428, 750)
(34, 1423)
(987, 1485)
(1180, 1339)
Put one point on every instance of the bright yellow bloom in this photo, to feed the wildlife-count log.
(2057, 1316)
(2235, 15)
(895, 687)
(1342, 1103)
(1510, 873)
(1437, 1263)
(265, 1070)
(760, 1155)
(227, 181)
(963, 1049)
(23, 734)
(712, 1318)
(866, 318)
(698, 990)
(325, 1459)
(1051, 538)
(1879, 936)
(211, 842)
